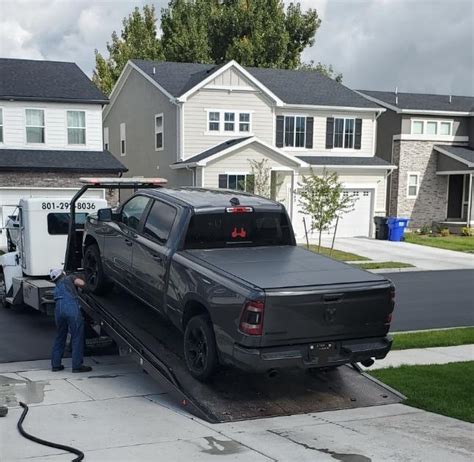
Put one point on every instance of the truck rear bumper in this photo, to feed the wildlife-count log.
(310, 355)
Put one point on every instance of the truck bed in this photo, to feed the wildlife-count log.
(282, 267)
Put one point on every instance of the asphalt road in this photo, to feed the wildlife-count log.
(433, 299)
(425, 300)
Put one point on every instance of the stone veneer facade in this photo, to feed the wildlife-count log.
(50, 180)
(431, 202)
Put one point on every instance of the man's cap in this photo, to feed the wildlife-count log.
(55, 273)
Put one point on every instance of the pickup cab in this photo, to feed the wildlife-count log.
(224, 267)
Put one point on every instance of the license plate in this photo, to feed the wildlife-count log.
(326, 346)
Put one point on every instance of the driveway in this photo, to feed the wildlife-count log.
(117, 413)
(421, 256)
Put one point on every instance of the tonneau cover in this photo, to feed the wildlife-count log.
(283, 267)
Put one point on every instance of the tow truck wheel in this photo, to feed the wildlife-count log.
(95, 277)
(200, 350)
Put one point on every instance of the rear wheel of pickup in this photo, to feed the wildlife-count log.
(200, 351)
(96, 280)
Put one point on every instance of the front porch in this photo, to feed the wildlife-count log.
(457, 163)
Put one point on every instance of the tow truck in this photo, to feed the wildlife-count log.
(231, 395)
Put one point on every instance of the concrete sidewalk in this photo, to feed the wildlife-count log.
(118, 413)
(423, 257)
(423, 356)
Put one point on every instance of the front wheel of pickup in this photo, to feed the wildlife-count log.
(97, 281)
(200, 351)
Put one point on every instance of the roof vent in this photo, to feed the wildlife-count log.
(154, 70)
(450, 99)
(234, 201)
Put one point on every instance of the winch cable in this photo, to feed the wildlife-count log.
(80, 454)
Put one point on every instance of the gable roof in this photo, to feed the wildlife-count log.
(459, 153)
(291, 87)
(64, 161)
(227, 147)
(421, 102)
(54, 81)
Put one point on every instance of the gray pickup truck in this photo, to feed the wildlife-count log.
(224, 267)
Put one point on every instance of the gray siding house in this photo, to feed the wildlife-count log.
(430, 138)
(203, 125)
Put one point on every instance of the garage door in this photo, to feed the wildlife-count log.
(10, 197)
(357, 222)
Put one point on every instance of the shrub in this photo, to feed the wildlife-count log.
(467, 231)
(425, 229)
(445, 232)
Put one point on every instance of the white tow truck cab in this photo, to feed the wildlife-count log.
(38, 233)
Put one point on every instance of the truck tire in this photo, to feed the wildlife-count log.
(200, 351)
(97, 281)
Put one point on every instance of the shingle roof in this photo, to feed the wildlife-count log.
(346, 161)
(214, 150)
(421, 101)
(70, 161)
(24, 79)
(462, 153)
(292, 87)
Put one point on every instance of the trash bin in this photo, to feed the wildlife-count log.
(396, 228)
(381, 228)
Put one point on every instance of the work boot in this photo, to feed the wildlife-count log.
(57, 369)
(82, 369)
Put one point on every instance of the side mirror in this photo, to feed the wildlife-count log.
(104, 215)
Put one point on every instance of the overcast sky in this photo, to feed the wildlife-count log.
(417, 45)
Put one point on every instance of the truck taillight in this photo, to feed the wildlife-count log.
(239, 209)
(251, 320)
(388, 319)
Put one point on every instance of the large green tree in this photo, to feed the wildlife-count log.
(260, 33)
(138, 40)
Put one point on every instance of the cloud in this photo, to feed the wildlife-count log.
(417, 45)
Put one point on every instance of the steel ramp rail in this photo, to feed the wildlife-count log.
(231, 395)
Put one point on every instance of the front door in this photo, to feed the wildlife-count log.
(455, 197)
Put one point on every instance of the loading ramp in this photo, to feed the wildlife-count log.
(232, 395)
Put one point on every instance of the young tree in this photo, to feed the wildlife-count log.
(138, 39)
(259, 182)
(321, 197)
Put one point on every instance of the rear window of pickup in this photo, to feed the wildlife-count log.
(253, 229)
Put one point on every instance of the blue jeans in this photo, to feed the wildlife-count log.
(68, 318)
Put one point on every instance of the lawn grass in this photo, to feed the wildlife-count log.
(446, 389)
(434, 338)
(458, 243)
(383, 265)
(337, 254)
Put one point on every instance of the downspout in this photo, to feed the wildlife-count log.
(469, 201)
(193, 174)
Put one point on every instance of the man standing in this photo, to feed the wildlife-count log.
(68, 319)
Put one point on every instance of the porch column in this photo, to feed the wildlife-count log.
(470, 205)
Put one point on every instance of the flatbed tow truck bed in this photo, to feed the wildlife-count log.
(232, 395)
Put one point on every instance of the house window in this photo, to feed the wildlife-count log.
(229, 121)
(35, 126)
(413, 184)
(106, 138)
(417, 127)
(76, 127)
(295, 131)
(158, 132)
(431, 128)
(445, 128)
(1, 125)
(237, 182)
(244, 122)
(214, 121)
(123, 140)
(344, 133)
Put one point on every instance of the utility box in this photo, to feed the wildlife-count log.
(38, 293)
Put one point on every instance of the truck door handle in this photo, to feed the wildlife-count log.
(128, 242)
(332, 297)
(156, 257)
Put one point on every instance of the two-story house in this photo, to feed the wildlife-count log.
(430, 138)
(202, 125)
(50, 131)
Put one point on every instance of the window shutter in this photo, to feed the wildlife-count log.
(358, 134)
(309, 132)
(329, 132)
(279, 131)
(223, 181)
